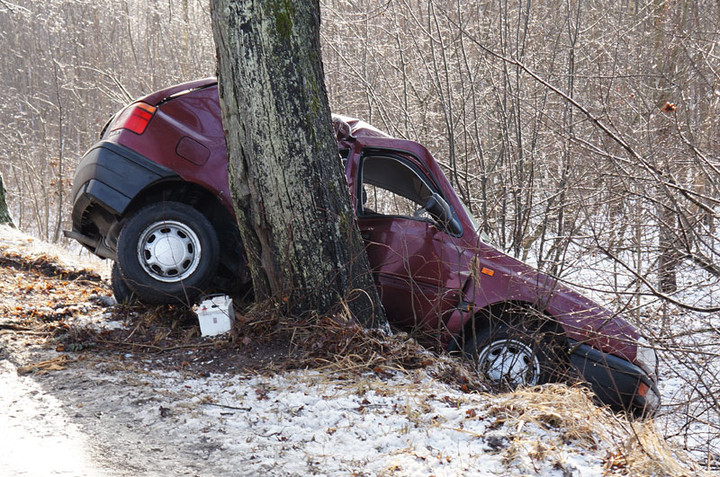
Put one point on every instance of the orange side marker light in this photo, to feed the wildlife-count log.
(487, 271)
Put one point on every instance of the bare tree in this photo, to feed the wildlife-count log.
(286, 177)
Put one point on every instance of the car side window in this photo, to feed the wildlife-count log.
(390, 187)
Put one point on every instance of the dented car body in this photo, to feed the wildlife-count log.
(153, 196)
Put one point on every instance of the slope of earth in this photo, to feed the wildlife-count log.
(93, 389)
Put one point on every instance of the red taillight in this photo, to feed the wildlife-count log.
(135, 118)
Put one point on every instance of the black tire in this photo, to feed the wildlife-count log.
(516, 352)
(123, 294)
(168, 252)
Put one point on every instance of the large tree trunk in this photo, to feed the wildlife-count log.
(286, 179)
(4, 212)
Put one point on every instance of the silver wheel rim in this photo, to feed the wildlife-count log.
(509, 363)
(169, 251)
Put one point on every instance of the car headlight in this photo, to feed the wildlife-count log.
(647, 358)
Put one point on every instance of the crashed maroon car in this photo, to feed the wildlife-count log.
(153, 196)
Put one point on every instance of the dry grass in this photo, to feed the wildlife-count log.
(631, 447)
(339, 344)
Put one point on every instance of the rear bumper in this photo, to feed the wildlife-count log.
(107, 179)
(616, 381)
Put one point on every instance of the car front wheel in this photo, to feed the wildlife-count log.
(168, 253)
(510, 355)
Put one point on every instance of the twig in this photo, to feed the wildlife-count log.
(228, 407)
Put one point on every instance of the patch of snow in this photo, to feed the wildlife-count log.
(38, 438)
(14, 240)
(98, 321)
(307, 423)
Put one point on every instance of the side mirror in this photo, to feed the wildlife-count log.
(441, 212)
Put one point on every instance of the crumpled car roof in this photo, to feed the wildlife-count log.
(347, 127)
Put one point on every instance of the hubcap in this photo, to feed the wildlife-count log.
(509, 363)
(169, 251)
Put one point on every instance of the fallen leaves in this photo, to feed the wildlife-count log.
(40, 294)
(45, 266)
(55, 364)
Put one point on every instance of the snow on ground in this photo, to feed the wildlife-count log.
(14, 240)
(128, 415)
(140, 422)
(37, 437)
(304, 423)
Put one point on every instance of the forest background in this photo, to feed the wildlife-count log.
(583, 135)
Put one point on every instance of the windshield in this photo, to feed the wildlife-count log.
(476, 224)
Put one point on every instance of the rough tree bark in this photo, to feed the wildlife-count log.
(286, 179)
(4, 212)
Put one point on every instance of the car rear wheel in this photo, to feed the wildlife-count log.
(510, 354)
(168, 253)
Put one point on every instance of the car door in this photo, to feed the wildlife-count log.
(416, 260)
